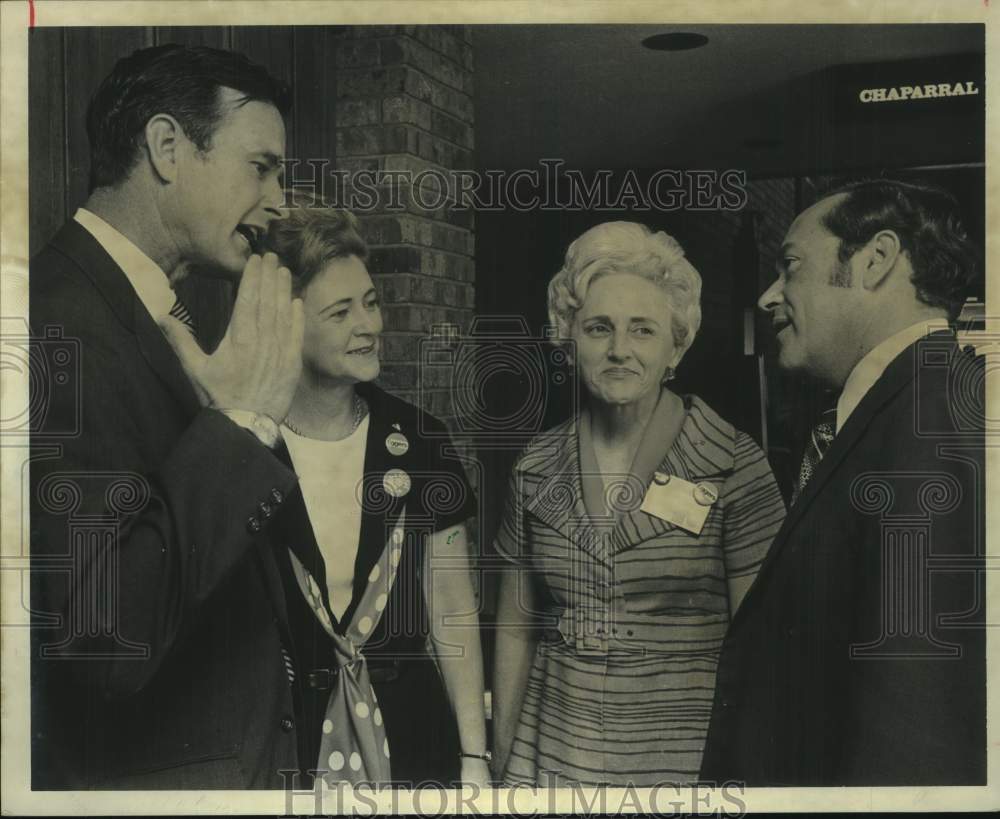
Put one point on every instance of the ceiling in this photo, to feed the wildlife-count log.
(593, 96)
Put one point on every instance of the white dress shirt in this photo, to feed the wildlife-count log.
(147, 278)
(870, 368)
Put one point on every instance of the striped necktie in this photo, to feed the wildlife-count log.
(819, 442)
(180, 312)
(289, 666)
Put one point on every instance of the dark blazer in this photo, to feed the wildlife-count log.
(419, 724)
(826, 676)
(158, 609)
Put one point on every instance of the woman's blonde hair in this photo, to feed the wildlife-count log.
(627, 247)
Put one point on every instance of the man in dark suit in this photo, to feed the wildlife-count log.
(858, 655)
(160, 627)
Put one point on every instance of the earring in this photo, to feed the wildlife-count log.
(668, 375)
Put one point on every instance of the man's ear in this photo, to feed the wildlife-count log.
(883, 250)
(164, 137)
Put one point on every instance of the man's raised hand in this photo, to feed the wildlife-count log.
(256, 366)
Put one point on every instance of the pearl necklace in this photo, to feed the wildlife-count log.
(359, 414)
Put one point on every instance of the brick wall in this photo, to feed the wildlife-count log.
(405, 104)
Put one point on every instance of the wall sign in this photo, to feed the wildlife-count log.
(920, 92)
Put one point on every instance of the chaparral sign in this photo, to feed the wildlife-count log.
(919, 92)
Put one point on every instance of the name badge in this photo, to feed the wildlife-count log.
(679, 502)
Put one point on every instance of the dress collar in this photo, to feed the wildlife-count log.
(552, 463)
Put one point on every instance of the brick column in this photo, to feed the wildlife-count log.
(404, 104)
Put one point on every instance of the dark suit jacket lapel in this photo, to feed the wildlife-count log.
(77, 244)
(897, 376)
(380, 509)
(161, 357)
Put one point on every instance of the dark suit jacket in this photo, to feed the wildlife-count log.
(826, 676)
(158, 610)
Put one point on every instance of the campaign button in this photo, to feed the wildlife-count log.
(396, 482)
(706, 494)
(397, 444)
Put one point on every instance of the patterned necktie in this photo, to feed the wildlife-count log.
(289, 665)
(180, 312)
(819, 443)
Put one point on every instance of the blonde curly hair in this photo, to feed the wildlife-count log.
(627, 247)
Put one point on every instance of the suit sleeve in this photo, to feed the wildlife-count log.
(754, 509)
(179, 529)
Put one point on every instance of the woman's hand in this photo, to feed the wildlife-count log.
(516, 643)
(454, 624)
(476, 772)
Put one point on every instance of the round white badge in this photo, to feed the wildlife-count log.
(397, 444)
(705, 494)
(396, 482)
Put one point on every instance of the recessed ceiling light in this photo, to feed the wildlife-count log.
(675, 41)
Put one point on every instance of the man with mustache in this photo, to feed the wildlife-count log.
(858, 656)
(159, 656)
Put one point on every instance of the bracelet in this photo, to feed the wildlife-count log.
(486, 757)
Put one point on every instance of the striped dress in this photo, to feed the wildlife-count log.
(633, 608)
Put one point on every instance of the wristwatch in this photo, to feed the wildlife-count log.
(263, 427)
(486, 756)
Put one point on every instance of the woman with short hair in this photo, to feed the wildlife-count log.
(372, 544)
(636, 526)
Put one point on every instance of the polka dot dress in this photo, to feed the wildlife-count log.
(353, 745)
